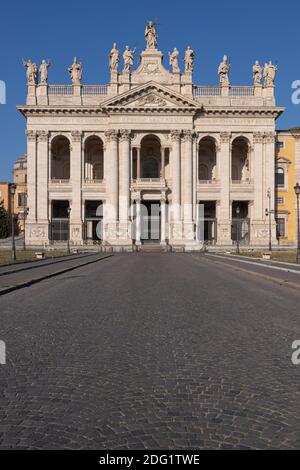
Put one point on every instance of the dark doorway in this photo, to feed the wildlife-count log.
(150, 222)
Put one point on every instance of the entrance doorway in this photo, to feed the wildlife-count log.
(150, 222)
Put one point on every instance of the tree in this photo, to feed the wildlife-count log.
(4, 221)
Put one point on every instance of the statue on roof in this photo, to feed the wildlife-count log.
(151, 35)
(75, 72)
(128, 59)
(189, 60)
(32, 71)
(114, 58)
(174, 60)
(257, 73)
(44, 71)
(223, 72)
(270, 71)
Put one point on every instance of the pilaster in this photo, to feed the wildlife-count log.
(75, 169)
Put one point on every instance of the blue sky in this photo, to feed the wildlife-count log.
(58, 30)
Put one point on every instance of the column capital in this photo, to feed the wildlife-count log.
(31, 135)
(175, 135)
(125, 135)
(187, 135)
(42, 136)
(225, 137)
(258, 137)
(76, 136)
(111, 135)
(270, 137)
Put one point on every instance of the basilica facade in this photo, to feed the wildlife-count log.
(150, 157)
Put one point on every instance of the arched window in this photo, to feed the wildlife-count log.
(240, 159)
(279, 177)
(150, 168)
(203, 172)
(60, 158)
(93, 159)
(150, 157)
(207, 159)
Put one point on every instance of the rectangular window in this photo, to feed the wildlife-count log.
(279, 200)
(279, 145)
(280, 227)
(22, 199)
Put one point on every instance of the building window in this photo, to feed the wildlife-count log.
(279, 177)
(279, 200)
(279, 145)
(22, 199)
(280, 227)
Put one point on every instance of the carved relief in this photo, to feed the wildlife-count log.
(152, 100)
(187, 135)
(270, 137)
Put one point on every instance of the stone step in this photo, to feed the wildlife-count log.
(152, 248)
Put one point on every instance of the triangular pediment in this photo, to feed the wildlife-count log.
(151, 96)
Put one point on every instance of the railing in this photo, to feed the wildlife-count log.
(94, 90)
(60, 89)
(91, 181)
(217, 91)
(207, 91)
(86, 90)
(212, 181)
(241, 91)
(59, 181)
(246, 181)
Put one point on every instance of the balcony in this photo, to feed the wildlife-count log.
(149, 183)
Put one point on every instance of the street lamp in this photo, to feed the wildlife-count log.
(297, 192)
(68, 245)
(237, 211)
(13, 243)
(268, 213)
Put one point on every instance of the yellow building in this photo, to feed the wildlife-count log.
(20, 180)
(287, 166)
(5, 196)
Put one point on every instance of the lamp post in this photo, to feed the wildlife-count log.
(68, 242)
(25, 214)
(13, 243)
(269, 212)
(297, 192)
(237, 211)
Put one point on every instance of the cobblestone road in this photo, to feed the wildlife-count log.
(150, 351)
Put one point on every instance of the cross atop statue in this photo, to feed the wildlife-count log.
(151, 35)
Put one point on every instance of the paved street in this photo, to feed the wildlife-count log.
(151, 351)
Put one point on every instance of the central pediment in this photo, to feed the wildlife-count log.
(150, 96)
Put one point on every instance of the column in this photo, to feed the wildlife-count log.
(162, 160)
(269, 171)
(138, 221)
(258, 177)
(224, 224)
(138, 162)
(42, 185)
(297, 157)
(124, 184)
(176, 185)
(163, 219)
(112, 201)
(31, 184)
(75, 171)
(188, 185)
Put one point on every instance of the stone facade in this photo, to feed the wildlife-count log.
(203, 155)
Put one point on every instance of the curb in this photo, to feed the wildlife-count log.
(58, 259)
(9, 289)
